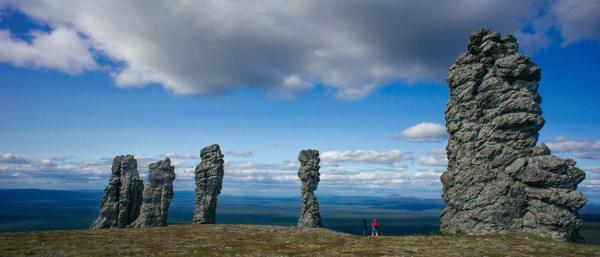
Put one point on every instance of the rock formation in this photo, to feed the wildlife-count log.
(309, 175)
(209, 180)
(122, 196)
(158, 193)
(497, 179)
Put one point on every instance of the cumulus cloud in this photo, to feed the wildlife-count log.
(240, 153)
(283, 47)
(62, 172)
(17, 171)
(369, 157)
(577, 19)
(245, 166)
(591, 169)
(62, 49)
(428, 174)
(185, 156)
(585, 149)
(260, 172)
(435, 157)
(11, 158)
(423, 132)
(241, 177)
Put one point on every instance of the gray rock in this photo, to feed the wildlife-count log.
(209, 181)
(158, 193)
(309, 175)
(122, 196)
(497, 179)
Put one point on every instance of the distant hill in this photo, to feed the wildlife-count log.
(255, 240)
(36, 210)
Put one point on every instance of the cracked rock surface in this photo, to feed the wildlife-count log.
(158, 193)
(309, 175)
(209, 181)
(122, 196)
(497, 179)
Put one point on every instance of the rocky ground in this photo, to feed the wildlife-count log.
(254, 240)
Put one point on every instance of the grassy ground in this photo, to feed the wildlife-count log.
(254, 240)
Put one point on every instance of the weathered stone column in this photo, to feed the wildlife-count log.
(309, 175)
(122, 196)
(158, 193)
(209, 181)
(497, 179)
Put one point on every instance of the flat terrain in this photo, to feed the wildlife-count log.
(258, 240)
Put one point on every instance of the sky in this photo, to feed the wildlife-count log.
(361, 81)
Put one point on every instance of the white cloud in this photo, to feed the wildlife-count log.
(61, 49)
(591, 169)
(436, 157)
(12, 158)
(585, 149)
(240, 177)
(286, 165)
(423, 132)
(369, 157)
(284, 47)
(428, 175)
(577, 19)
(21, 172)
(184, 156)
(68, 172)
(240, 153)
(537, 37)
(249, 172)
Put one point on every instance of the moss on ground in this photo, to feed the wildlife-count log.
(255, 240)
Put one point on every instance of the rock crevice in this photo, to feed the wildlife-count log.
(497, 179)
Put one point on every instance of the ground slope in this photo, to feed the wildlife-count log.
(254, 240)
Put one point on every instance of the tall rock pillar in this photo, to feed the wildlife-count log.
(122, 196)
(158, 193)
(497, 179)
(309, 175)
(209, 181)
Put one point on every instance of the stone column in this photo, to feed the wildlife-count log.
(209, 181)
(158, 193)
(309, 175)
(122, 196)
(498, 178)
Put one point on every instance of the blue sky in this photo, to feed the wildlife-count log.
(82, 84)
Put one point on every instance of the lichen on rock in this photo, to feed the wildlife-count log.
(209, 181)
(122, 196)
(497, 179)
(309, 176)
(158, 193)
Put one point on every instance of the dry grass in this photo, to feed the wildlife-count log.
(253, 240)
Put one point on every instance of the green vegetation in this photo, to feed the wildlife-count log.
(256, 240)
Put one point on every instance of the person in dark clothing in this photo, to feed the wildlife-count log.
(365, 227)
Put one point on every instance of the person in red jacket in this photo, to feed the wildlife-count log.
(374, 227)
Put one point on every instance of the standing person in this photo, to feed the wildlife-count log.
(365, 227)
(374, 227)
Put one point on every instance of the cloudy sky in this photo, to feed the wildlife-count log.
(362, 81)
